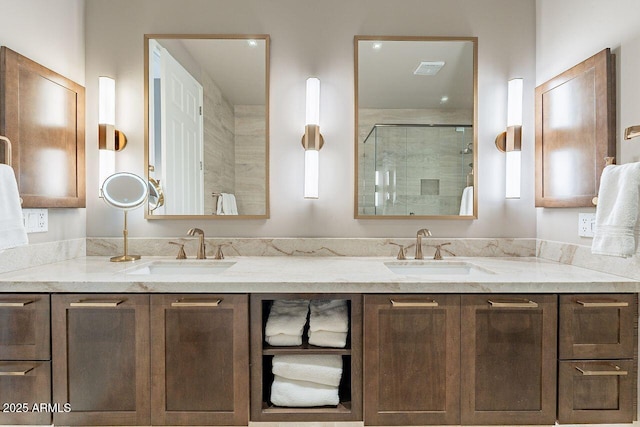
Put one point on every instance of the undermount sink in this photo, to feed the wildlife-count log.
(181, 267)
(435, 268)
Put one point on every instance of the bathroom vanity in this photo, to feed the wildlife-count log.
(473, 341)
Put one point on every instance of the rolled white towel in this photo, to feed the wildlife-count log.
(318, 368)
(302, 394)
(287, 317)
(329, 315)
(283, 339)
(328, 339)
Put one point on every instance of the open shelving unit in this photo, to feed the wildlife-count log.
(350, 389)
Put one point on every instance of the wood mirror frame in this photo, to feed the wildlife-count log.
(263, 162)
(437, 111)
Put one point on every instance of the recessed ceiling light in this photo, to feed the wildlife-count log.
(429, 68)
(444, 99)
(377, 45)
(252, 43)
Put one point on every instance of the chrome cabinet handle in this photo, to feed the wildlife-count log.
(17, 373)
(525, 303)
(615, 371)
(96, 303)
(432, 303)
(603, 303)
(20, 303)
(202, 303)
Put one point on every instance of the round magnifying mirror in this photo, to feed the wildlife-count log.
(125, 191)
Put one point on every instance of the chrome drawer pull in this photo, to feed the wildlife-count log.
(616, 372)
(603, 303)
(96, 303)
(21, 303)
(19, 373)
(432, 303)
(525, 303)
(181, 303)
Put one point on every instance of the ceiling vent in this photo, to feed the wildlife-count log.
(428, 68)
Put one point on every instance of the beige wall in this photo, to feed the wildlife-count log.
(568, 32)
(52, 34)
(319, 45)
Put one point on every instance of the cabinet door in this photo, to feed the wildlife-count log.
(508, 368)
(200, 360)
(101, 359)
(597, 391)
(25, 391)
(412, 359)
(597, 326)
(24, 327)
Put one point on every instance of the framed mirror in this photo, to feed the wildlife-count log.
(416, 127)
(207, 130)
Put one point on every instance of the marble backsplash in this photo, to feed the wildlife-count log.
(581, 256)
(40, 254)
(389, 247)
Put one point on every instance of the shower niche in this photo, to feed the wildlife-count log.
(416, 170)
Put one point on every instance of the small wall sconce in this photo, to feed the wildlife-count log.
(312, 141)
(109, 138)
(510, 142)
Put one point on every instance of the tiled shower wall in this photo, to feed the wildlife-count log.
(422, 169)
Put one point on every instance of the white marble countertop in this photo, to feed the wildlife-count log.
(313, 274)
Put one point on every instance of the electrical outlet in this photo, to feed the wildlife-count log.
(36, 220)
(586, 224)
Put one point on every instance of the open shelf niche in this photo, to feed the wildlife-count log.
(350, 389)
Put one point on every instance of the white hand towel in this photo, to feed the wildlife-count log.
(283, 339)
(617, 218)
(12, 232)
(318, 368)
(226, 204)
(466, 202)
(302, 394)
(329, 315)
(328, 339)
(287, 317)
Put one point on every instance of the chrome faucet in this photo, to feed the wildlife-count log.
(422, 232)
(201, 247)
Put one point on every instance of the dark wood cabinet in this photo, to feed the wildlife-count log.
(199, 360)
(596, 391)
(24, 327)
(25, 393)
(101, 359)
(25, 351)
(508, 359)
(412, 359)
(350, 388)
(598, 347)
(597, 326)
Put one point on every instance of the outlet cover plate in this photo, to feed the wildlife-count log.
(586, 224)
(36, 220)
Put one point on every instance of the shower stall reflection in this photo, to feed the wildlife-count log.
(416, 169)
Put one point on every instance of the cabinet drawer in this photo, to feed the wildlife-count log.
(23, 385)
(596, 391)
(24, 327)
(597, 326)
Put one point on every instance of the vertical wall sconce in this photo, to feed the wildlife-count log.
(110, 140)
(510, 142)
(312, 141)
